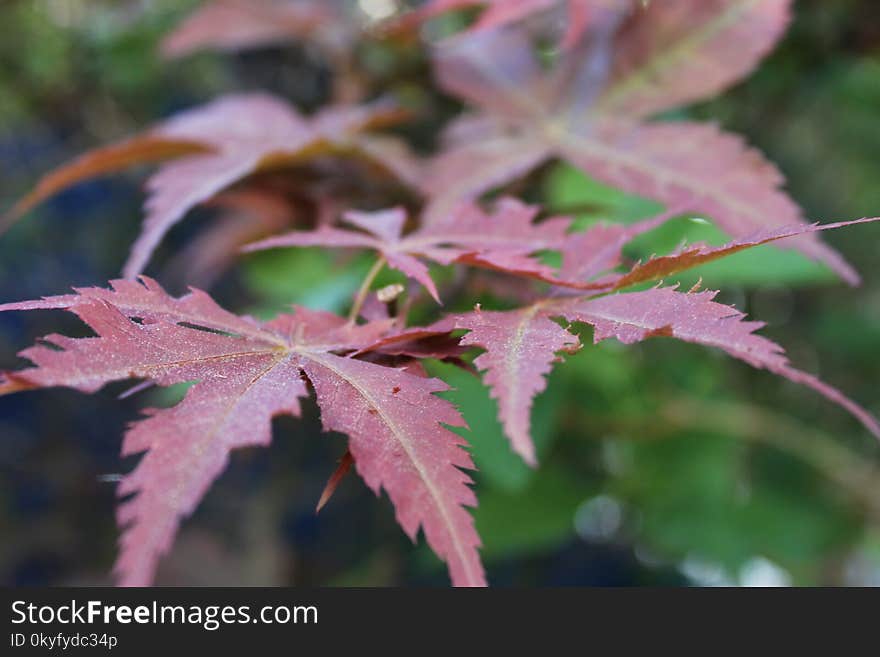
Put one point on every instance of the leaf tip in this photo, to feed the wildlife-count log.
(333, 482)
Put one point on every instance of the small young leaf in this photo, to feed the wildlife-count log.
(504, 240)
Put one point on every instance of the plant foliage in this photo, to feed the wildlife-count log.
(590, 102)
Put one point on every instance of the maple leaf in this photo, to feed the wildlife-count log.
(218, 144)
(590, 111)
(504, 240)
(599, 249)
(521, 345)
(676, 52)
(695, 255)
(243, 24)
(245, 373)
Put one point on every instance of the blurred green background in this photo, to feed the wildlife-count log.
(661, 463)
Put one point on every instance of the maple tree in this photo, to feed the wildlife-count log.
(618, 64)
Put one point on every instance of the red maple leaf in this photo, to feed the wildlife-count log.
(591, 109)
(521, 345)
(246, 373)
(505, 240)
(220, 143)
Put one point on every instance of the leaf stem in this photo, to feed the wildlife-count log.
(361, 295)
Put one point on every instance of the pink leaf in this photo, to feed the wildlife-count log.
(245, 373)
(671, 53)
(221, 143)
(495, 71)
(675, 52)
(384, 228)
(698, 254)
(715, 172)
(466, 172)
(521, 346)
(504, 240)
(248, 132)
(391, 418)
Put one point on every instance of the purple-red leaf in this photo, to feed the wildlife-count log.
(698, 254)
(245, 373)
(586, 110)
(675, 52)
(226, 140)
(243, 383)
(715, 172)
(521, 346)
(391, 418)
(505, 240)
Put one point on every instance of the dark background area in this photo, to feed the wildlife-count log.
(661, 463)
